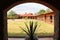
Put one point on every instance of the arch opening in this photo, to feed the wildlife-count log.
(34, 17)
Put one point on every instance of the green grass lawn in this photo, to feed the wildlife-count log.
(13, 27)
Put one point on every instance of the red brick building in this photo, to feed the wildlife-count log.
(48, 17)
(29, 16)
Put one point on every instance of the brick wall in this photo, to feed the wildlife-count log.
(48, 17)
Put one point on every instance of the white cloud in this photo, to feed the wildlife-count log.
(28, 7)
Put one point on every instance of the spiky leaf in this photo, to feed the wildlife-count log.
(25, 31)
(27, 27)
(35, 26)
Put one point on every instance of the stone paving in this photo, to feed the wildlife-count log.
(24, 38)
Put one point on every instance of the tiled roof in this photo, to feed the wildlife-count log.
(29, 14)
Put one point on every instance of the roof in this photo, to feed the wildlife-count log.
(29, 14)
(47, 13)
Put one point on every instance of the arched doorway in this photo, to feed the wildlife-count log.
(28, 1)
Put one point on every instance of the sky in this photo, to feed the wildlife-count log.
(28, 7)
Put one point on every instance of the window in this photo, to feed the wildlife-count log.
(50, 18)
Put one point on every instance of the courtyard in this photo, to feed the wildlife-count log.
(43, 29)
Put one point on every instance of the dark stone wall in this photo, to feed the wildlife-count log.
(6, 3)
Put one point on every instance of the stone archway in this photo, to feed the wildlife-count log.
(19, 2)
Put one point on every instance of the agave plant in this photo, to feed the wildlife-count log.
(30, 30)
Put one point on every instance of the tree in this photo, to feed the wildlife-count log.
(12, 14)
(48, 10)
(41, 11)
